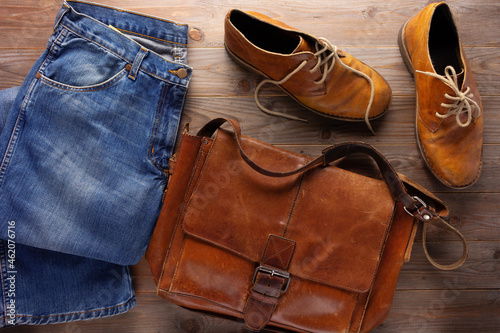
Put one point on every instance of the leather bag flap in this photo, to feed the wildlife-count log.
(338, 219)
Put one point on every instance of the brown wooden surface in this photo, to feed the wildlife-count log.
(427, 300)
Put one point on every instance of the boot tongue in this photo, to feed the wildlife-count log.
(303, 46)
(306, 45)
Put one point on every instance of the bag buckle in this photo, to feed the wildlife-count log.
(425, 216)
(273, 272)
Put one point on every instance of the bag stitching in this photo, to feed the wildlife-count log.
(180, 218)
(292, 208)
(278, 253)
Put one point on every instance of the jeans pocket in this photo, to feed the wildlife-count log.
(77, 63)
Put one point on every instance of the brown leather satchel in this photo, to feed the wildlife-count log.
(253, 231)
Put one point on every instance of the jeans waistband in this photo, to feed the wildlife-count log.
(111, 27)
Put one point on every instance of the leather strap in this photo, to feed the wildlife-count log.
(270, 280)
(329, 155)
(440, 223)
(413, 205)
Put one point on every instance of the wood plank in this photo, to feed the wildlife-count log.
(397, 125)
(480, 271)
(476, 215)
(376, 23)
(446, 310)
(15, 65)
(229, 79)
(438, 311)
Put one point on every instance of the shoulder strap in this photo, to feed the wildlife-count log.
(413, 205)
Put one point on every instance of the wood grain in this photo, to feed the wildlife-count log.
(353, 23)
(416, 311)
(228, 79)
(427, 300)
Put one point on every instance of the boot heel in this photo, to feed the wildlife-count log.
(404, 51)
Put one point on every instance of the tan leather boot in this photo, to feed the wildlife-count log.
(449, 124)
(314, 72)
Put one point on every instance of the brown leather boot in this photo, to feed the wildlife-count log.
(314, 72)
(449, 124)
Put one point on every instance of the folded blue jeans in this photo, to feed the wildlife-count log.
(86, 146)
(84, 154)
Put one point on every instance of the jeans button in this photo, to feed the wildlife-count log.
(182, 73)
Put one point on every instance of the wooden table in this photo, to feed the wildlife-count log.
(427, 300)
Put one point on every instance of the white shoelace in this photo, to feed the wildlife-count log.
(323, 60)
(462, 102)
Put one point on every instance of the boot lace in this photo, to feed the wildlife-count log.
(327, 55)
(462, 102)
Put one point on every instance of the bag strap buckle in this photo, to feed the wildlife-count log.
(420, 211)
(273, 272)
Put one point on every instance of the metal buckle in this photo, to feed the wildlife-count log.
(423, 204)
(273, 272)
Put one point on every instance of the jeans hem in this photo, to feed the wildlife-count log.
(70, 317)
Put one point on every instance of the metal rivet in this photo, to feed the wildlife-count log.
(38, 75)
(182, 73)
(426, 217)
(128, 67)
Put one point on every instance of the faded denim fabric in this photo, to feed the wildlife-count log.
(47, 287)
(84, 150)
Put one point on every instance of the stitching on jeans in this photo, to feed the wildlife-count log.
(51, 53)
(74, 313)
(11, 147)
(142, 69)
(136, 65)
(163, 79)
(152, 141)
(134, 69)
(132, 12)
(97, 43)
(93, 41)
(178, 124)
(97, 87)
(151, 37)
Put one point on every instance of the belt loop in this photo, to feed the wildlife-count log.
(137, 63)
(65, 8)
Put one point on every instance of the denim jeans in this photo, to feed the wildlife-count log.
(85, 148)
(44, 287)
(84, 154)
